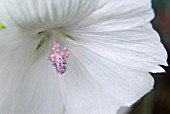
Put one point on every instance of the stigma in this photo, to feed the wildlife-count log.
(58, 57)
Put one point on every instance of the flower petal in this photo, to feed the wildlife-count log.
(117, 15)
(40, 14)
(95, 85)
(126, 37)
(82, 95)
(139, 54)
(28, 83)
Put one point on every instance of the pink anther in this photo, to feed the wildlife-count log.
(58, 58)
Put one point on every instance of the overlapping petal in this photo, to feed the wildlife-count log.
(42, 15)
(28, 83)
(95, 84)
(127, 38)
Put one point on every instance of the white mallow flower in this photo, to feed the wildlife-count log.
(76, 56)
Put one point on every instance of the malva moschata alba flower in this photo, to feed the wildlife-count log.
(76, 56)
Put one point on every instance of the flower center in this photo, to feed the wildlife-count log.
(59, 56)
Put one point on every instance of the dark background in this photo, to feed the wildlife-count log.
(158, 100)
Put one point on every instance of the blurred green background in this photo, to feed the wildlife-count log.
(158, 100)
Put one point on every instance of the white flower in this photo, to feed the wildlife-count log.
(112, 48)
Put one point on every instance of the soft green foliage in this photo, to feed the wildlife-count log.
(1, 26)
